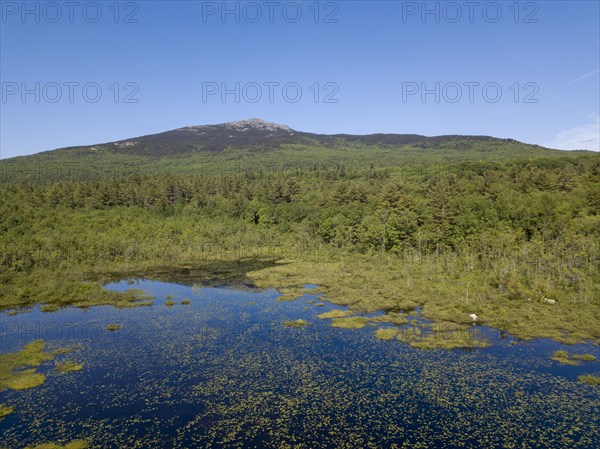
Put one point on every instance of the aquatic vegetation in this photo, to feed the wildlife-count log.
(43, 286)
(564, 358)
(185, 301)
(387, 333)
(352, 322)
(368, 284)
(48, 308)
(319, 385)
(170, 303)
(296, 323)
(448, 340)
(391, 317)
(23, 380)
(169, 296)
(77, 444)
(560, 354)
(124, 300)
(444, 337)
(583, 357)
(336, 313)
(61, 351)
(13, 367)
(343, 319)
(445, 326)
(113, 327)
(313, 291)
(589, 379)
(5, 410)
(67, 366)
(290, 293)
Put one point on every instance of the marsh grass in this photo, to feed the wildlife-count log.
(49, 308)
(18, 369)
(170, 303)
(296, 323)
(391, 317)
(351, 322)
(583, 357)
(312, 291)
(335, 314)
(439, 336)
(448, 340)
(290, 293)
(43, 286)
(589, 379)
(5, 410)
(368, 284)
(61, 351)
(185, 301)
(564, 358)
(387, 333)
(23, 380)
(67, 366)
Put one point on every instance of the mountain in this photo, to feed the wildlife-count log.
(257, 142)
(211, 138)
(259, 134)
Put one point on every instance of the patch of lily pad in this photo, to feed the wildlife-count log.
(296, 323)
(77, 444)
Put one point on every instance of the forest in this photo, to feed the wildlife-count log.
(516, 241)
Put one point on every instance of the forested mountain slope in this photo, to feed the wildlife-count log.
(256, 145)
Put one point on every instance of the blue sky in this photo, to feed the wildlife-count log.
(522, 70)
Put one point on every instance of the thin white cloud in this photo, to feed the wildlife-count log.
(587, 75)
(585, 137)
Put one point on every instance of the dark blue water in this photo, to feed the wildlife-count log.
(225, 372)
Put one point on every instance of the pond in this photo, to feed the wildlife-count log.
(224, 371)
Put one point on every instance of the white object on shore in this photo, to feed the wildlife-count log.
(549, 301)
(474, 317)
